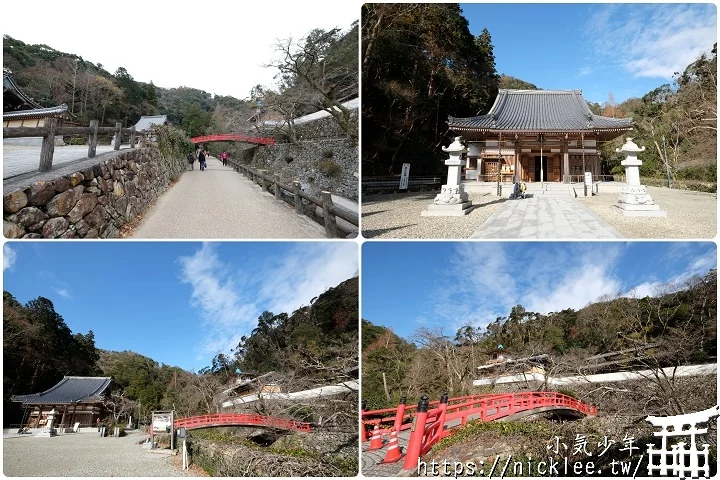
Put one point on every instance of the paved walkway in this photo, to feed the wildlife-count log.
(221, 203)
(537, 217)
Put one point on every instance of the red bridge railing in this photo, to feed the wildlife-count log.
(430, 425)
(233, 137)
(228, 419)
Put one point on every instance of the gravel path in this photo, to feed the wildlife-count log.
(18, 159)
(86, 455)
(689, 214)
(221, 203)
(398, 216)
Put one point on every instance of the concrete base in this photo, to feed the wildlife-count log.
(47, 433)
(630, 210)
(458, 210)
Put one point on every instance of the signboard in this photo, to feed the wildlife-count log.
(161, 422)
(588, 178)
(405, 176)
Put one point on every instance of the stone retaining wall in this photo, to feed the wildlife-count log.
(91, 203)
(310, 161)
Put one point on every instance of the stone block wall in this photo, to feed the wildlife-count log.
(91, 203)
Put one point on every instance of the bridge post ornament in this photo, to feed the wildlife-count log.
(452, 199)
(634, 200)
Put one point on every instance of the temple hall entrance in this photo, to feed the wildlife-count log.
(544, 163)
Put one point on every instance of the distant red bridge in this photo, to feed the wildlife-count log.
(433, 421)
(240, 420)
(233, 137)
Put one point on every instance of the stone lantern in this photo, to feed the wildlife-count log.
(49, 431)
(634, 200)
(452, 201)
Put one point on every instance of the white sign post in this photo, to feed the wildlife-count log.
(405, 176)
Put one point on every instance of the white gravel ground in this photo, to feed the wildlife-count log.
(689, 215)
(86, 455)
(398, 216)
(18, 159)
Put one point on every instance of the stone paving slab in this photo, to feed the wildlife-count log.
(545, 218)
(220, 203)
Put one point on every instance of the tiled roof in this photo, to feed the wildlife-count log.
(68, 390)
(145, 123)
(539, 110)
(59, 111)
(13, 97)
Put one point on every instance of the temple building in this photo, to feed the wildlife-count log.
(536, 135)
(19, 110)
(74, 399)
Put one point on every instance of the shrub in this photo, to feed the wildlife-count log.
(327, 154)
(288, 159)
(78, 141)
(328, 168)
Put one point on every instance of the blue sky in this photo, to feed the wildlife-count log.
(179, 303)
(409, 285)
(626, 49)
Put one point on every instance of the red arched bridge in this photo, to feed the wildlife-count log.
(233, 137)
(433, 421)
(240, 420)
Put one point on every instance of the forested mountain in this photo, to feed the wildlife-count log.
(684, 114)
(420, 63)
(506, 81)
(318, 73)
(678, 327)
(316, 344)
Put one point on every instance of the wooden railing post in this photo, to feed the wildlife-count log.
(277, 186)
(92, 139)
(132, 137)
(118, 135)
(262, 181)
(328, 218)
(298, 199)
(48, 145)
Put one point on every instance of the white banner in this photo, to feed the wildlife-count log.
(404, 176)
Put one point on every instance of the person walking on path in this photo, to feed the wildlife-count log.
(191, 160)
(224, 158)
(201, 158)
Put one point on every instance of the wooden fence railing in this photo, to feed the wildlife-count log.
(51, 129)
(295, 197)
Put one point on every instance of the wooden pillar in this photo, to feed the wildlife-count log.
(566, 162)
(72, 417)
(328, 218)
(118, 136)
(516, 175)
(276, 177)
(262, 181)
(92, 139)
(298, 199)
(132, 137)
(37, 422)
(62, 419)
(48, 145)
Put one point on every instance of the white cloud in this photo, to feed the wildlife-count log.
(584, 71)
(9, 256)
(231, 297)
(653, 40)
(63, 292)
(498, 276)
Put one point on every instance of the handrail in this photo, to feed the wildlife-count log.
(51, 129)
(430, 425)
(330, 209)
(233, 137)
(223, 419)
